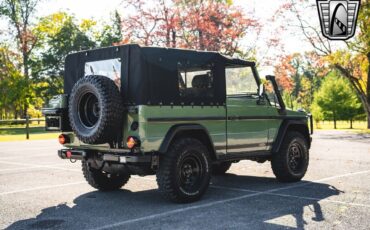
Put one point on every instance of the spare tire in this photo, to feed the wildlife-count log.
(95, 109)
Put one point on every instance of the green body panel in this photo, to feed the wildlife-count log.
(240, 126)
(250, 127)
(152, 133)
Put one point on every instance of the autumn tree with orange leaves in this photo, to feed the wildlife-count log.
(193, 24)
(299, 75)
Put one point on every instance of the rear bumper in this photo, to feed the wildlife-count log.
(124, 157)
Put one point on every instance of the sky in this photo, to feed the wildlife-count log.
(262, 9)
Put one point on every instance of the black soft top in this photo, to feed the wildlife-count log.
(149, 75)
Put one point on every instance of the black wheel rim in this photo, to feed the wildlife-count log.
(191, 173)
(89, 110)
(295, 158)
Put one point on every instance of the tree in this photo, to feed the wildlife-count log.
(352, 63)
(111, 33)
(19, 13)
(336, 99)
(195, 24)
(212, 25)
(60, 36)
(299, 75)
(149, 23)
(13, 86)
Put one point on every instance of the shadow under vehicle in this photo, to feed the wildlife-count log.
(94, 210)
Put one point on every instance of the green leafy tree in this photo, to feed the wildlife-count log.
(354, 62)
(61, 35)
(112, 32)
(336, 100)
(19, 14)
(13, 86)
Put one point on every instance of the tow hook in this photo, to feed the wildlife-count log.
(72, 154)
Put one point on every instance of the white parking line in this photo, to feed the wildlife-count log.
(27, 149)
(28, 156)
(118, 224)
(17, 169)
(42, 188)
(28, 168)
(254, 193)
(293, 196)
(343, 175)
(164, 214)
(40, 166)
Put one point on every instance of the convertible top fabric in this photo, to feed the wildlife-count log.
(149, 75)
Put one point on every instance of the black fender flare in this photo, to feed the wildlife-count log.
(286, 124)
(177, 129)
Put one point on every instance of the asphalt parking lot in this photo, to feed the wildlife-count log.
(40, 191)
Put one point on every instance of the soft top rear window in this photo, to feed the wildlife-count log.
(108, 68)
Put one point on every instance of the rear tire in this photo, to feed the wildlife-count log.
(221, 168)
(291, 162)
(184, 171)
(103, 181)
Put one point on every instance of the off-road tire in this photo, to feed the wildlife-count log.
(173, 166)
(281, 164)
(109, 114)
(221, 168)
(103, 181)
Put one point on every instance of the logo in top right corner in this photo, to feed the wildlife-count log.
(338, 18)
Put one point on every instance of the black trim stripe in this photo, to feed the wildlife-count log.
(243, 146)
(244, 155)
(167, 119)
(221, 118)
(264, 117)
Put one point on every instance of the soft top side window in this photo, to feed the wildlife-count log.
(240, 81)
(196, 82)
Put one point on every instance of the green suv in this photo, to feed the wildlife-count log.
(182, 115)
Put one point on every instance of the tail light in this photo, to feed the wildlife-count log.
(132, 142)
(63, 139)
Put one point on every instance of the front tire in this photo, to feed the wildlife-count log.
(103, 181)
(291, 162)
(184, 171)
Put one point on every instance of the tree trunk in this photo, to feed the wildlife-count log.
(168, 39)
(335, 121)
(201, 44)
(173, 39)
(363, 95)
(26, 76)
(368, 91)
(350, 123)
